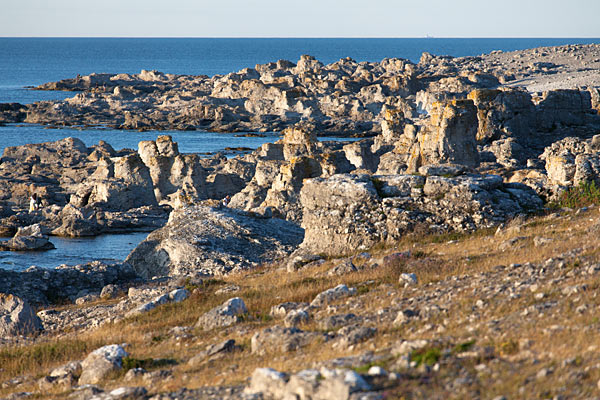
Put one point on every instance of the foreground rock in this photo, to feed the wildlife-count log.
(206, 241)
(99, 363)
(17, 317)
(226, 314)
(349, 212)
(307, 384)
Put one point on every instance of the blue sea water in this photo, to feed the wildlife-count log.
(32, 61)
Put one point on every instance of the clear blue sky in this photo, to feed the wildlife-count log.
(301, 18)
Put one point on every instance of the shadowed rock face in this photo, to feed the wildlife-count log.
(17, 317)
(205, 241)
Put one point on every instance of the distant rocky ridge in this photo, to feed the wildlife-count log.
(342, 98)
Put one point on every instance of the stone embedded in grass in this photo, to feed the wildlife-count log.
(296, 317)
(101, 362)
(151, 305)
(332, 294)
(281, 310)
(307, 384)
(17, 317)
(278, 339)
(351, 335)
(408, 279)
(226, 314)
(337, 321)
(178, 295)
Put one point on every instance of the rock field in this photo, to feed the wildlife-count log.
(450, 252)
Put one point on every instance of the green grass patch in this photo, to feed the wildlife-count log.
(427, 356)
(462, 347)
(583, 195)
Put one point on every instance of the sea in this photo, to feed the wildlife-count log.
(28, 62)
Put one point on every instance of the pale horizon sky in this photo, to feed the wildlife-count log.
(307, 18)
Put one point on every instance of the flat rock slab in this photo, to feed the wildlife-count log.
(206, 241)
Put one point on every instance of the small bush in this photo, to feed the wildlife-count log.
(427, 356)
(585, 194)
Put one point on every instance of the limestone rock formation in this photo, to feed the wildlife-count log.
(30, 238)
(205, 241)
(17, 317)
(100, 363)
(344, 213)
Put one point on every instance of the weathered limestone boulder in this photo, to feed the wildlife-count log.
(178, 179)
(205, 241)
(277, 339)
(563, 108)
(361, 156)
(501, 113)
(309, 384)
(101, 362)
(572, 161)
(77, 222)
(449, 136)
(508, 152)
(226, 314)
(346, 213)
(333, 211)
(17, 317)
(29, 238)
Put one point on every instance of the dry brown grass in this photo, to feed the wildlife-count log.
(436, 258)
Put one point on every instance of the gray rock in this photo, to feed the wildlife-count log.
(278, 339)
(306, 384)
(201, 241)
(281, 310)
(226, 314)
(408, 279)
(337, 321)
(296, 317)
(99, 363)
(17, 317)
(178, 295)
(332, 294)
(110, 291)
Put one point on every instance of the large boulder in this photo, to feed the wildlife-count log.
(101, 362)
(449, 136)
(17, 317)
(206, 241)
(572, 161)
(346, 213)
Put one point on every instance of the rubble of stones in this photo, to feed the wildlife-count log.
(345, 320)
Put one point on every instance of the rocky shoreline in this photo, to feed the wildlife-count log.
(454, 146)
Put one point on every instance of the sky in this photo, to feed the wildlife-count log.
(300, 18)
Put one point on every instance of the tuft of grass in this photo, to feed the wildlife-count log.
(462, 347)
(426, 356)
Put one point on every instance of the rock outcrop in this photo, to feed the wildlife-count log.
(17, 317)
(345, 213)
(206, 241)
(30, 238)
